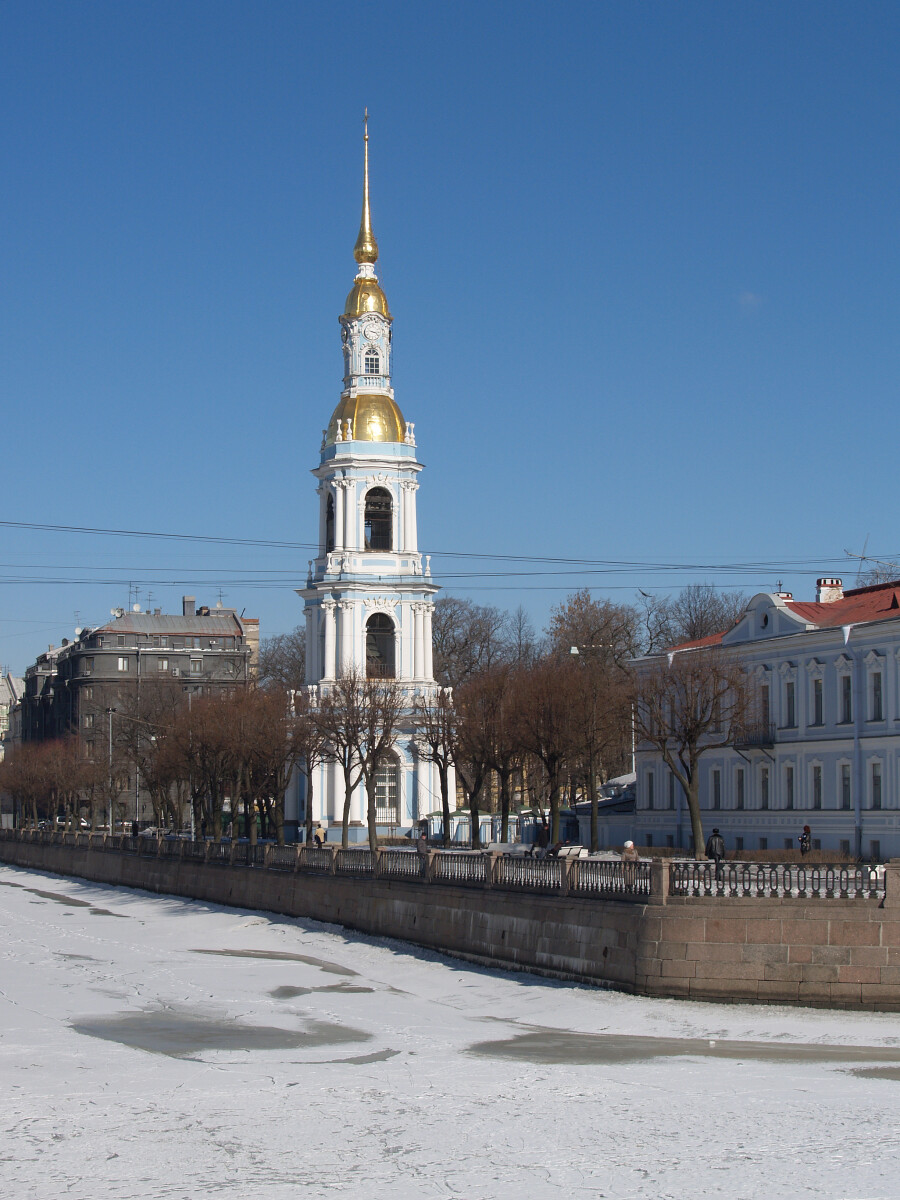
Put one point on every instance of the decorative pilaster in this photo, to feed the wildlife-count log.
(328, 607)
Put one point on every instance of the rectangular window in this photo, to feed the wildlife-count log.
(764, 790)
(875, 851)
(670, 841)
(817, 787)
(87, 666)
(739, 785)
(788, 843)
(87, 693)
(846, 796)
(196, 666)
(717, 789)
(120, 639)
(123, 664)
(156, 639)
(196, 643)
(88, 749)
(671, 790)
(162, 664)
(790, 705)
(164, 643)
(650, 781)
(98, 642)
(876, 785)
(789, 787)
(817, 844)
(88, 720)
(877, 697)
(846, 699)
(649, 839)
(738, 843)
(818, 707)
(845, 846)
(763, 843)
(764, 704)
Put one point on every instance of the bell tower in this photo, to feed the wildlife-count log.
(368, 596)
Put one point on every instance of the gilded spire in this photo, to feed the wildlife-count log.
(366, 248)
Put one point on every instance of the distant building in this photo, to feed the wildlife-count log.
(11, 689)
(69, 688)
(825, 751)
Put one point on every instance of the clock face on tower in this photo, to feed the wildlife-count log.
(372, 332)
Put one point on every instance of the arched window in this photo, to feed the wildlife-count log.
(378, 519)
(380, 647)
(387, 793)
(329, 524)
(373, 362)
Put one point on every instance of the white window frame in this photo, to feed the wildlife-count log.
(123, 662)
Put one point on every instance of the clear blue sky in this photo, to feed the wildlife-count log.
(642, 259)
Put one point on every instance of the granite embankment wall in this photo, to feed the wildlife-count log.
(833, 952)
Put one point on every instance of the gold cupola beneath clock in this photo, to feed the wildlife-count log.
(366, 417)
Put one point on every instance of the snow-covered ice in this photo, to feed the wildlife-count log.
(156, 1047)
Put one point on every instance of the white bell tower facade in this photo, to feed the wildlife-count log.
(368, 596)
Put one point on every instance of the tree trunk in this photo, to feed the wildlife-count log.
(553, 799)
(592, 792)
(345, 816)
(692, 791)
(370, 810)
(445, 802)
(504, 805)
(474, 821)
(308, 775)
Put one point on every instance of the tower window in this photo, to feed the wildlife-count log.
(387, 793)
(380, 647)
(373, 363)
(378, 519)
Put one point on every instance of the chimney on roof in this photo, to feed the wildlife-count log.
(188, 608)
(829, 590)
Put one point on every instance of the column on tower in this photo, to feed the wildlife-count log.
(428, 671)
(328, 671)
(418, 642)
(412, 540)
(346, 656)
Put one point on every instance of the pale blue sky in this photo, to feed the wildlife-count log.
(642, 259)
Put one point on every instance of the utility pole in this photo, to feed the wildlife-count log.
(109, 713)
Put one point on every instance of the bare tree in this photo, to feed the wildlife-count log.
(471, 748)
(547, 719)
(435, 717)
(598, 628)
(381, 703)
(467, 639)
(310, 740)
(342, 722)
(685, 704)
(698, 611)
(282, 660)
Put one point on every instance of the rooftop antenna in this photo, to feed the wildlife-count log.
(221, 598)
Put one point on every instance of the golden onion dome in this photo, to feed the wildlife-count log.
(376, 418)
(366, 296)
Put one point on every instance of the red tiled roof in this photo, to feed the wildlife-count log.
(879, 602)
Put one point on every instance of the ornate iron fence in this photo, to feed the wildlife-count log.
(282, 858)
(460, 868)
(838, 881)
(400, 864)
(315, 858)
(609, 880)
(529, 874)
(355, 862)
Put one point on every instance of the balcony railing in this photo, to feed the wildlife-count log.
(756, 735)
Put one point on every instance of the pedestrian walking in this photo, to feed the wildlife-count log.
(715, 849)
(805, 840)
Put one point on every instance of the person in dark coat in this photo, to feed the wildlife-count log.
(805, 840)
(422, 851)
(715, 849)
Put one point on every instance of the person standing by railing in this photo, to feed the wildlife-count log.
(630, 858)
(715, 849)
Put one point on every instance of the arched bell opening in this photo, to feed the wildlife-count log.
(329, 524)
(380, 647)
(378, 519)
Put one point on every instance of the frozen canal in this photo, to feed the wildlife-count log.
(154, 1047)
